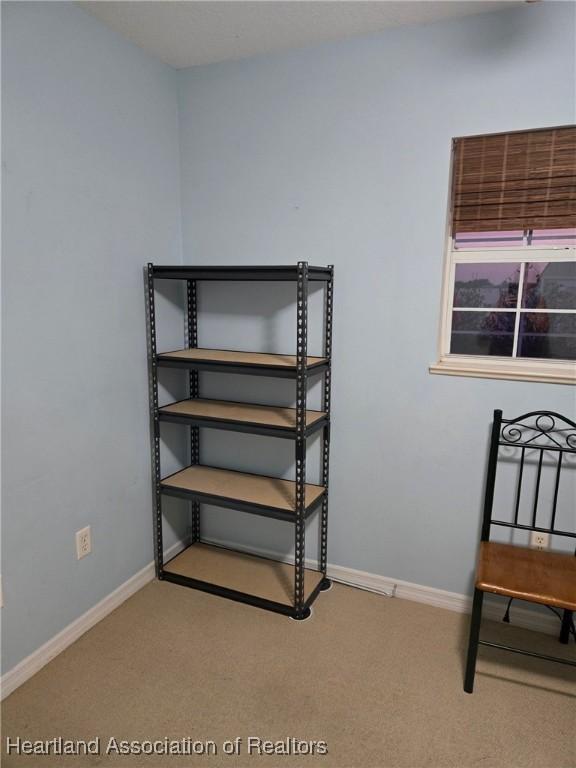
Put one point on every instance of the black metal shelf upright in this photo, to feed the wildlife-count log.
(236, 575)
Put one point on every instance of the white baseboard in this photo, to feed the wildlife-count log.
(520, 615)
(41, 656)
(538, 620)
(372, 582)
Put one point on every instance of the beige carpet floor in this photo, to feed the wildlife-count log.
(378, 679)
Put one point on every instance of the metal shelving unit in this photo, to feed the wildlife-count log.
(259, 581)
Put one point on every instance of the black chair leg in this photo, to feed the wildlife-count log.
(565, 628)
(473, 641)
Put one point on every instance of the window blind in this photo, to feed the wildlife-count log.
(515, 181)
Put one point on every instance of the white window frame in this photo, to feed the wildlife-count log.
(492, 367)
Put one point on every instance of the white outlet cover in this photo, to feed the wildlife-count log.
(539, 540)
(83, 542)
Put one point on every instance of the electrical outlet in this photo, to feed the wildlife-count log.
(539, 540)
(83, 542)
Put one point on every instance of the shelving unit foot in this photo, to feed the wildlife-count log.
(303, 616)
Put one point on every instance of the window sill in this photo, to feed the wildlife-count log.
(486, 368)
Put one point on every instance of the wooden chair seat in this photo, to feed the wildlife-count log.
(537, 575)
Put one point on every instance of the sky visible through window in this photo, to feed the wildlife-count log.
(521, 309)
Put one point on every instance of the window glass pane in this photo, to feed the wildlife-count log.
(550, 285)
(542, 238)
(486, 285)
(470, 240)
(547, 335)
(482, 333)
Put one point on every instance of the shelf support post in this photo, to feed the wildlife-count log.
(193, 392)
(326, 397)
(155, 421)
(301, 392)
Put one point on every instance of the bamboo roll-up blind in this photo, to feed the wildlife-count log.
(515, 181)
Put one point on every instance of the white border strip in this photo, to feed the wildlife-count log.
(520, 614)
(41, 656)
(372, 582)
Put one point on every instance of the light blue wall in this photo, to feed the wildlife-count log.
(90, 193)
(309, 155)
(340, 154)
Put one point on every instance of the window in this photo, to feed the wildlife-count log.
(509, 294)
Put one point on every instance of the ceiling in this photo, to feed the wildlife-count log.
(185, 34)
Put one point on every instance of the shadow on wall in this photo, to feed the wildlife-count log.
(170, 300)
(258, 317)
(492, 43)
(263, 316)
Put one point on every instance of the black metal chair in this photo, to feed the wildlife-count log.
(538, 576)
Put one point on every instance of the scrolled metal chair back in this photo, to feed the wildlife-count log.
(539, 432)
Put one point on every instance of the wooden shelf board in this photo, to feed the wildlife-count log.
(259, 490)
(252, 575)
(243, 413)
(264, 359)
